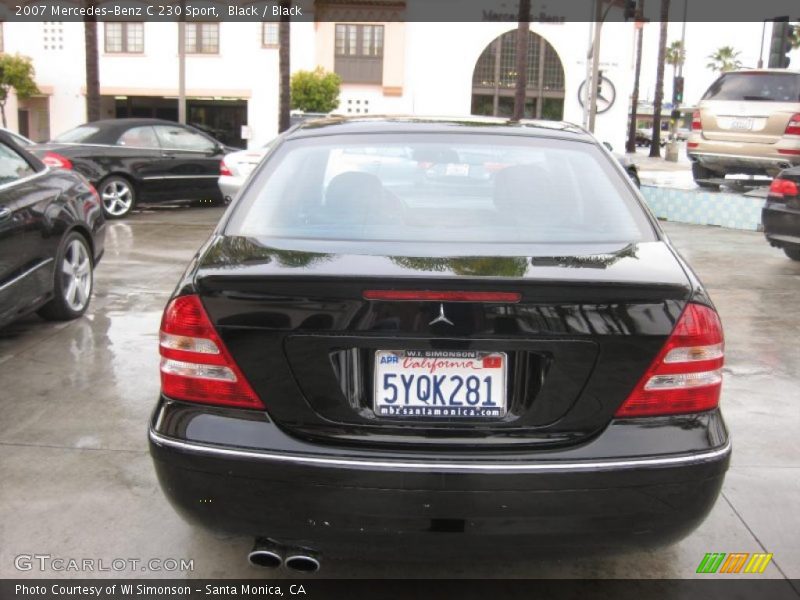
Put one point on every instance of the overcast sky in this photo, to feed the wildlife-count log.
(702, 39)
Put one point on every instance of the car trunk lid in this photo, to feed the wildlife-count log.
(585, 328)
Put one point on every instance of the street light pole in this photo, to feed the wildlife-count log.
(182, 72)
(593, 82)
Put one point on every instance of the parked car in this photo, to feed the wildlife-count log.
(352, 361)
(748, 122)
(781, 213)
(51, 237)
(644, 138)
(19, 139)
(139, 160)
(630, 167)
(236, 167)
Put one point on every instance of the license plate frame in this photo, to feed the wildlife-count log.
(488, 400)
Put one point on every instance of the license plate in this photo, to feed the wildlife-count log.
(742, 124)
(439, 384)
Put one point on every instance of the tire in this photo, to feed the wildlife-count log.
(700, 172)
(73, 281)
(117, 195)
(792, 252)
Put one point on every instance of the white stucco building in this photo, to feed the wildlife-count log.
(387, 66)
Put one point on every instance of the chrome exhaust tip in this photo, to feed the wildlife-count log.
(265, 554)
(302, 561)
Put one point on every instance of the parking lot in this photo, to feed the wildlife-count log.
(77, 481)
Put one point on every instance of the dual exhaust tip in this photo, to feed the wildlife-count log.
(271, 555)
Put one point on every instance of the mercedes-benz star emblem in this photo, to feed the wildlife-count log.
(441, 318)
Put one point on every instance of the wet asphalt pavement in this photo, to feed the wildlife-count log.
(77, 480)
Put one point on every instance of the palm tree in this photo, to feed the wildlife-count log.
(676, 56)
(523, 33)
(284, 68)
(655, 144)
(630, 145)
(92, 66)
(724, 59)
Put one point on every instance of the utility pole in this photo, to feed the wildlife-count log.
(182, 70)
(594, 82)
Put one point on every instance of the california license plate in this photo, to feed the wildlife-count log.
(440, 384)
(742, 124)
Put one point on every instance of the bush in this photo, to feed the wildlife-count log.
(315, 91)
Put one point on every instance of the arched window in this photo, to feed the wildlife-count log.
(495, 78)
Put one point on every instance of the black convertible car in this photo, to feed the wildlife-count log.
(443, 339)
(51, 237)
(139, 160)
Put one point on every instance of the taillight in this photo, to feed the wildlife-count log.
(195, 365)
(697, 125)
(793, 128)
(56, 161)
(443, 296)
(686, 376)
(224, 169)
(780, 188)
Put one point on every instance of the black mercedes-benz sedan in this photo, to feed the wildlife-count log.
(139, 160)
(51, 237)
(459, 337)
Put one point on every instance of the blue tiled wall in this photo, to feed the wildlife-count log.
(704, 208)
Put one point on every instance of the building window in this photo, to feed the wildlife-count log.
(269, 35)
(124, 37)
(202, 38)
(53, 35)
(359, 53)
(494, 79)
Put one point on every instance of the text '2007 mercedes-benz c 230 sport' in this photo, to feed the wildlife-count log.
(462, 336)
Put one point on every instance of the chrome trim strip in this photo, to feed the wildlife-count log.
(124, 147)
(21, 276)
(36, 174)
(181, 177)
(775, 159)
(585, 465)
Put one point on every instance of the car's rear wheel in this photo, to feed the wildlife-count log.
(792, 252)
(74, 279)
(700, 173)
(118, 196)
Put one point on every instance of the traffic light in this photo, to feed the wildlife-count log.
(630, 10)
(780, 44)
(677, 91)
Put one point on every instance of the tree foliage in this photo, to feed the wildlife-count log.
(676, 54)
(315, 91)
(724, 59)
(17, 73)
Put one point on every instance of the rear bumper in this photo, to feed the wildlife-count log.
(781, 225)
(229, 186)
(338, 499)
(737, 157)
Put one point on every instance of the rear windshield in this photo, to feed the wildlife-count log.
(440, 188)
(764, 87)
(79, 134)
